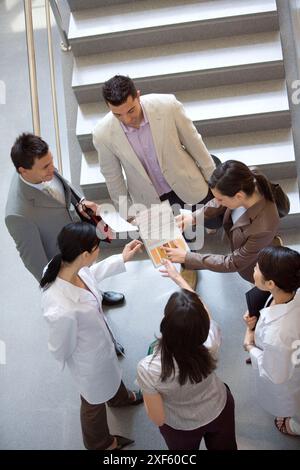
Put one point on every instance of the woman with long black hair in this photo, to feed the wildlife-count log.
(182, 393)
(79, 334)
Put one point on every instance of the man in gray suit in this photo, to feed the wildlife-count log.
(40, 203)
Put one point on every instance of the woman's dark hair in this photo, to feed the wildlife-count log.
(232, 176)
(74, 239)
(184, 329)
(26, 149)
(280, 265)
(116, 90)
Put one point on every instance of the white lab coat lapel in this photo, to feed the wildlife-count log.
(90, 284)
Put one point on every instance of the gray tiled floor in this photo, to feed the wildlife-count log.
(39, 405)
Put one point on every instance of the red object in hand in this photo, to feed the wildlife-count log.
(95, 219)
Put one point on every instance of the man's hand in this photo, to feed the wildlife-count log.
(176, 255)
(131, 249)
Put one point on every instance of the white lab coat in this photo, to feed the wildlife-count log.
(79, 335)
(277, 375)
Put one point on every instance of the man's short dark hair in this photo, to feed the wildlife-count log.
(26, 149)
(117, 89)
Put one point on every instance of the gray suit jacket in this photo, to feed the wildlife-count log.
(183, 158)
(252, 232)
(34, 221)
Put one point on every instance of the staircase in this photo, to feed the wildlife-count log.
(221, 58)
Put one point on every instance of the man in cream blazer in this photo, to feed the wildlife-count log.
(151, 138)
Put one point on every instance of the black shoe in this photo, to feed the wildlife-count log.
(112, 298)
(122, 442)
(120, 351)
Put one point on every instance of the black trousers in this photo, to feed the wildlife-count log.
(95, 431)
(219, 434)
(175, 200)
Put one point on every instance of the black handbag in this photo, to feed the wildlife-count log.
(256, 300)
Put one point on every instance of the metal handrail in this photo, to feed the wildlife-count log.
(53, 87)
(65, 45)
(32, 67)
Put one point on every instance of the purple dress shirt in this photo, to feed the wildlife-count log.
(142, 143)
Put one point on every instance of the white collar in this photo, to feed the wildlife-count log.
(39, 186)
(274, 312)
(75, 293)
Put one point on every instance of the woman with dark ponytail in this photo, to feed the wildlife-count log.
(250, 220)
(274, 346)
(182, 393)
(79, 334)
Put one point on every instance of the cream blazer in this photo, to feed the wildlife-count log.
(78, 334)
(183, 158)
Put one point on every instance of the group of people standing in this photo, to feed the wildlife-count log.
(152, 140)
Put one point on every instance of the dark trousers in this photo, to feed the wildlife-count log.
(174, 199)
(95, 432)
(218, 435)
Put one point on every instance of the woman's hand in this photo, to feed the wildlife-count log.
(170, 271)
(250, 321)
(184, 221)
(131, 249)
(249, 341)
(176, 255)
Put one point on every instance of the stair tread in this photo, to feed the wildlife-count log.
(254, 148)
(209, 103)
(178, 58)
(145, 14)
(91, 175)
(90, 170)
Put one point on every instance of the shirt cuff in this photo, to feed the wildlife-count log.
(255, 354)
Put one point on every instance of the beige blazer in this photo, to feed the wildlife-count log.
(254, 230)
(183, 158)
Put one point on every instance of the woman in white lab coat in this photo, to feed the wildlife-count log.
(274, 346)
(79, 334)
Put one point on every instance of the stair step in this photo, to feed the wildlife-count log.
(154, 23)
(86, 4)
(183, 66)
(272, 151)
(92, 181)
(291, 188)
(221, 110)
(93, 185)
